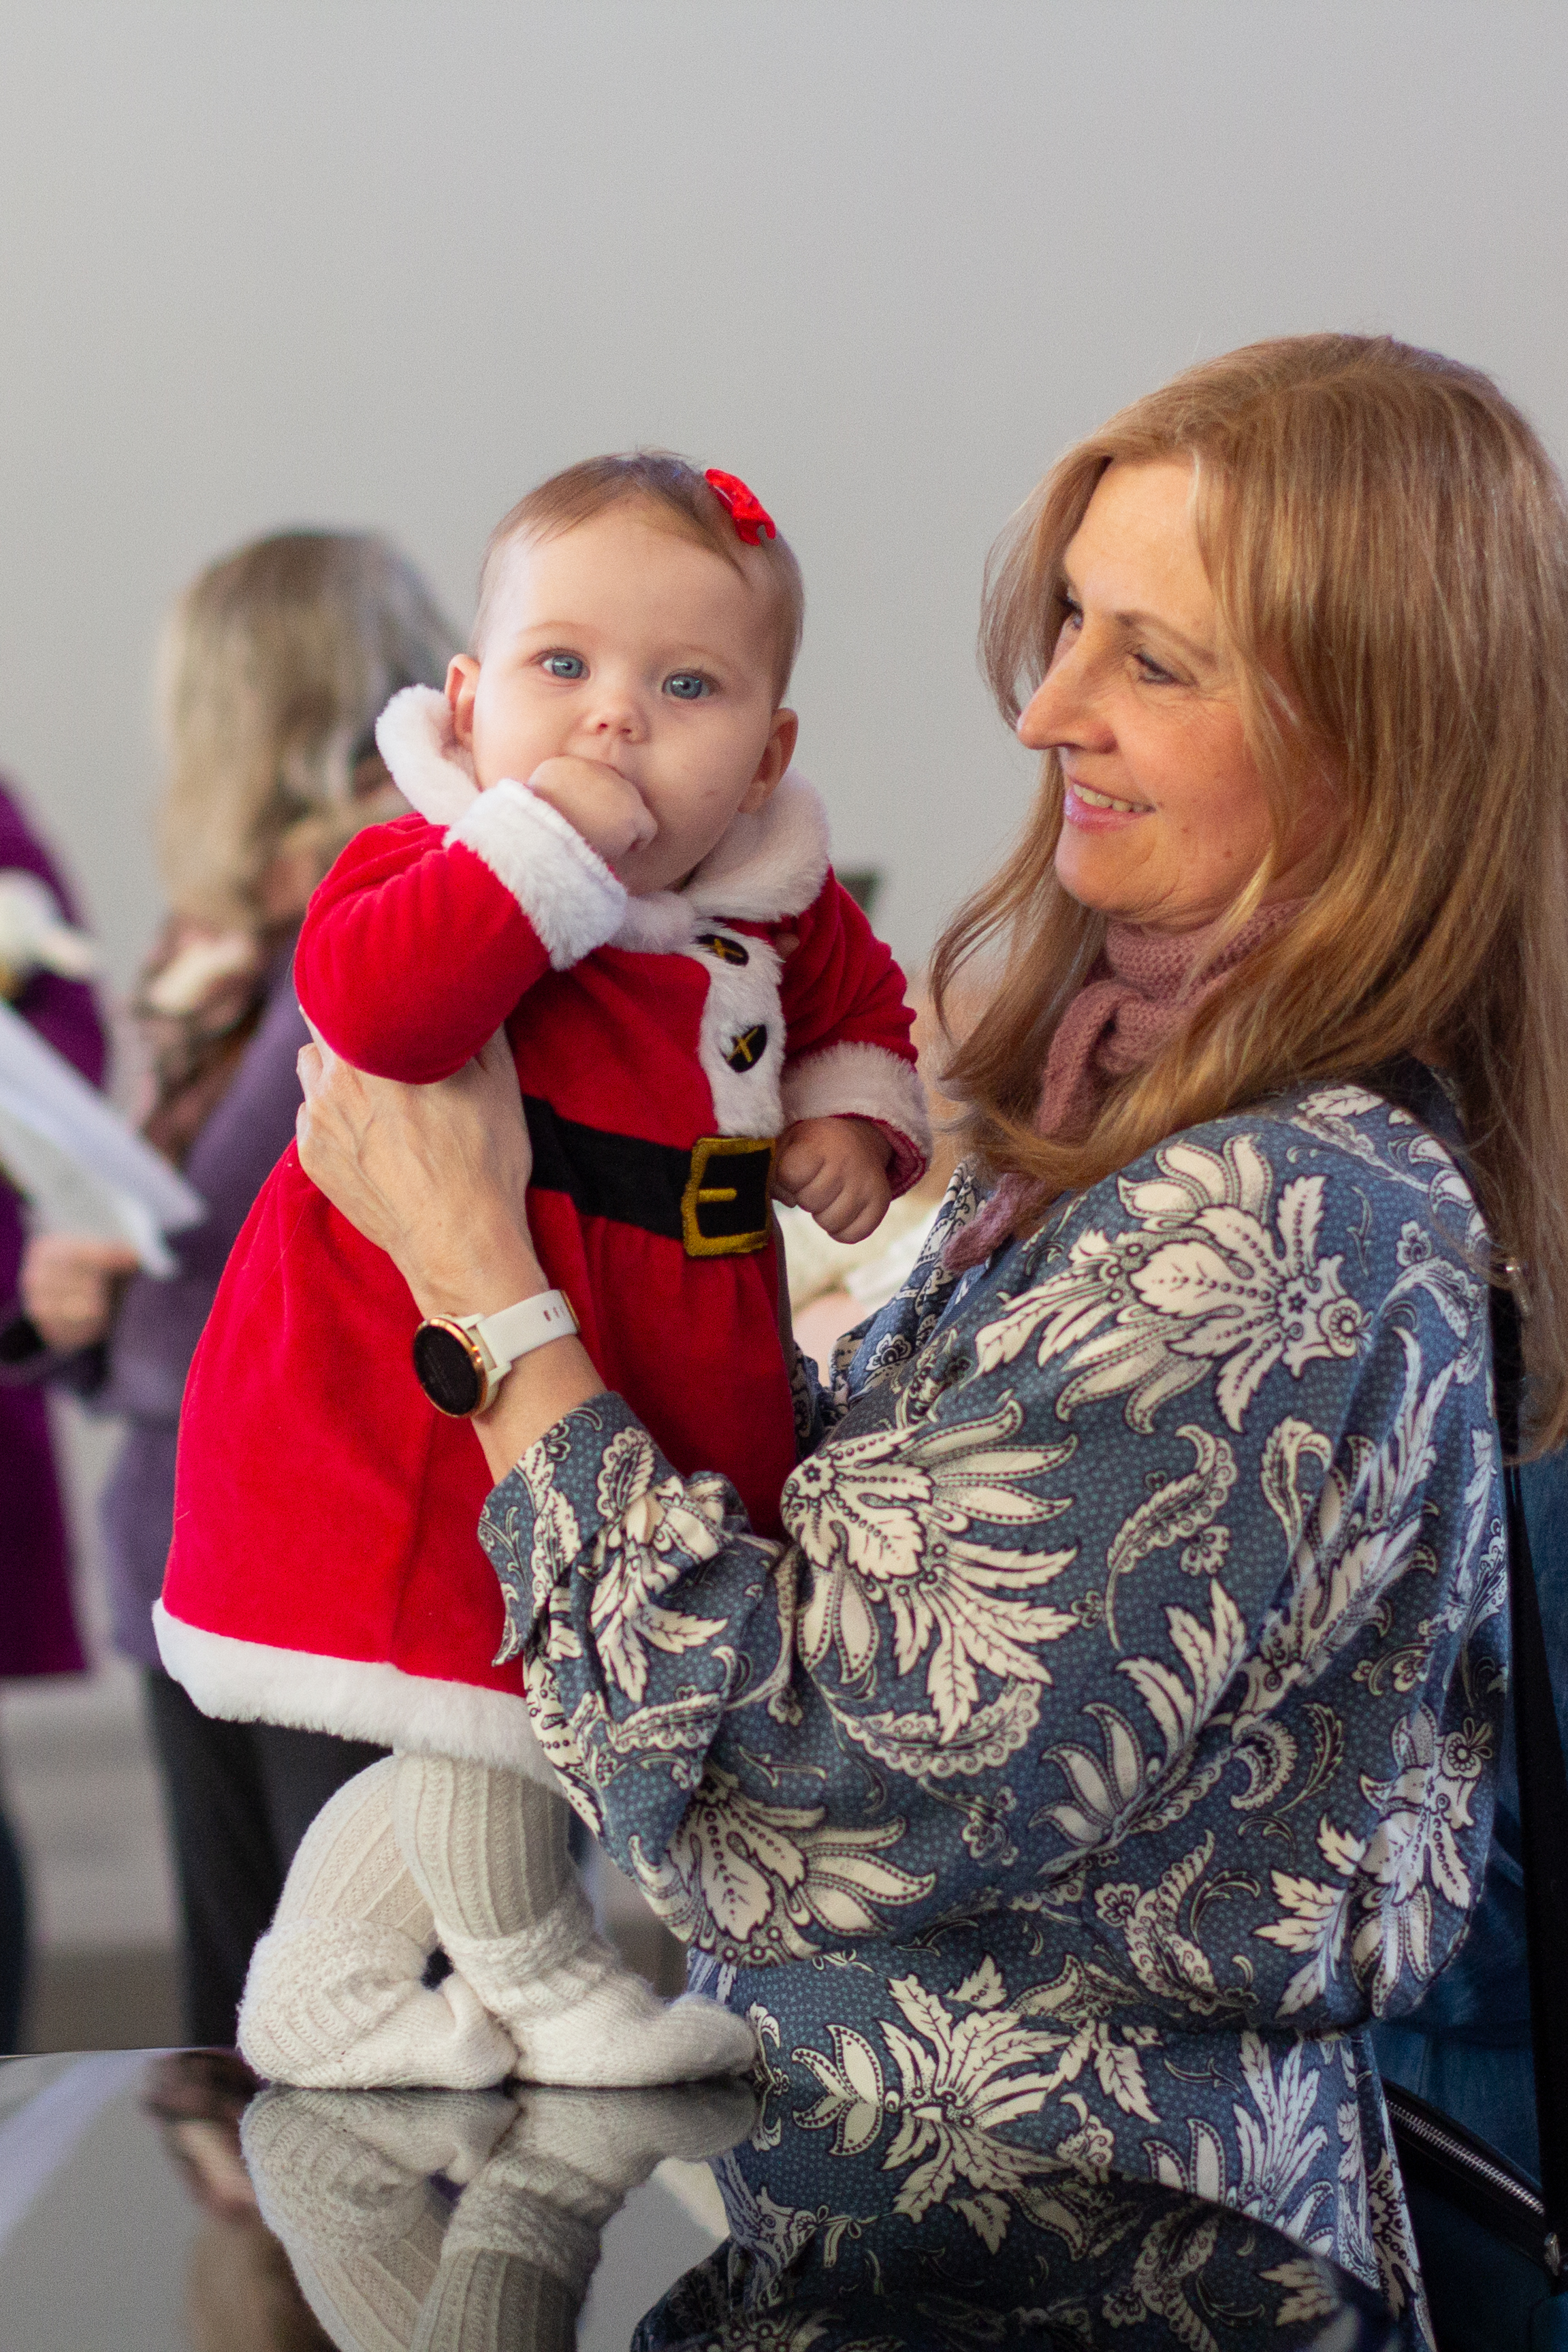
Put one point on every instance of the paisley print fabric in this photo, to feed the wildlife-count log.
(1115, 1733)
(1088, 2259)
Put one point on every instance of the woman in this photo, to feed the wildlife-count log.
(276, 662)
(43, 960)
(1118, 1731)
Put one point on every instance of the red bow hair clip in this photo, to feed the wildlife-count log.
(749, 516)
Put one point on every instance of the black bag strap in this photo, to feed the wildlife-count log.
(1542, 1798)
(1538, 1740)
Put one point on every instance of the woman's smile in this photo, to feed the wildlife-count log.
(1099, 812)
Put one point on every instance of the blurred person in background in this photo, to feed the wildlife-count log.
(44, 964)
(241, 2294)
(276, 663)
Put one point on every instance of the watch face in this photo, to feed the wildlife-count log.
(446, 1371)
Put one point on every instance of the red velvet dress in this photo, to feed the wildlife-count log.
(326, 1569)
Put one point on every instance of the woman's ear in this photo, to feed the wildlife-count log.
(462, 685)
(782, 735)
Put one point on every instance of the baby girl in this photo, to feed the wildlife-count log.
(611, 859)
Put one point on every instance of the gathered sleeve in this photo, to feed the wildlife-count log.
(1152, 1588)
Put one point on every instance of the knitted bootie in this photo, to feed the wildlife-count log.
(523, 2241)
(488, 1850)
(344, 2180)
(335, 1998)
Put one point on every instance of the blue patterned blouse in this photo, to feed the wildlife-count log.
(1114, 1735)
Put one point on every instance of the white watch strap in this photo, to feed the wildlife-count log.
(518, 1330)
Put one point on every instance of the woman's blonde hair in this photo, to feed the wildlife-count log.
(274, 665)
(1387, 543)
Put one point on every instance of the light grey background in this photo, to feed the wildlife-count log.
(280, 261)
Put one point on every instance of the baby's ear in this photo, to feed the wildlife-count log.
(462, 685)
(783, 733)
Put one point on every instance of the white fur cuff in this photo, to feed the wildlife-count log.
(252, 1682)
(865, 1082)
(565, 889)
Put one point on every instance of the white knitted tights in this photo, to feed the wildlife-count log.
(336, 1996)
(422, 1851)
(488, 1851)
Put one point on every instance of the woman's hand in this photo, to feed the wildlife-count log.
(67, 1284)
(436, 1176)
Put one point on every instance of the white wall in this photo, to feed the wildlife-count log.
(278, 261)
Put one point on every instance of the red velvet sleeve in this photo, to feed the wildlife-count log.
(847, 1022)
(841, 985)
(411, 955)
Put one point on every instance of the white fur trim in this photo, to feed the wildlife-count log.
(253, 1682)
(742, 996)
(769, 864)
(657, 924)
(414, 737)
(860, 1081)
(565, 889)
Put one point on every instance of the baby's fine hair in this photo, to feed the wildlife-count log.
(684, 499)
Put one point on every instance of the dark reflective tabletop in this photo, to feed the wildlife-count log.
(159, 2203)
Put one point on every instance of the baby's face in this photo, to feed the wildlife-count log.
(622, 644)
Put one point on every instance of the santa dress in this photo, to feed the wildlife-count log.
(325, 1569)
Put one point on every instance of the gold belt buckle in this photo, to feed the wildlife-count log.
(714, 1198)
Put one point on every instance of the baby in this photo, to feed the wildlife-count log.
(610, 858)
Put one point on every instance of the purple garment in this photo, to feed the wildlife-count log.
(160, 1322)
(39, 1632)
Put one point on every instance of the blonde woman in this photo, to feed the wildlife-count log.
(1115, 1733)
(274, 665)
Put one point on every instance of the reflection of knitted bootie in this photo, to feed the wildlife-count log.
(522, 2243)
(489, 1852)
(335, 1998)
(344, 2179)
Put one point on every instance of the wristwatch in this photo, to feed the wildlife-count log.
(460, 1360)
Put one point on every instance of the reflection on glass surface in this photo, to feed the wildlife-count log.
(1118, 2263)
(241, 2294)
(463, 2221)
(433, 2221)
(164, 2204)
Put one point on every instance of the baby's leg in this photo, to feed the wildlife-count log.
(335, 1998)
(523, 2240)
(489, 1852)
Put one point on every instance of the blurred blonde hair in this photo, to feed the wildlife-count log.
(274, 665)
(680, 498)
(1387, 543)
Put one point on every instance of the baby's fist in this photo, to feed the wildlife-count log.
(836, 1169)
(609, 813)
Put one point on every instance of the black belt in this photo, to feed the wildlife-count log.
(713, 1199)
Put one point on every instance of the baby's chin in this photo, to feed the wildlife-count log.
(640, 882)
(659, 864)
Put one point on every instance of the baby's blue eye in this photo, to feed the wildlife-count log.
(688, 686)
(565, 666)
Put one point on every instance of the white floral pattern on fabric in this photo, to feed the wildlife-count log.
(1138, 1636)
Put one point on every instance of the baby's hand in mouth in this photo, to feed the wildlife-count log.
(609, 813)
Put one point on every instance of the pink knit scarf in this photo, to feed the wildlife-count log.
(1134, 1000)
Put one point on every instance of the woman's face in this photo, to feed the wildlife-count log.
(1165, 816)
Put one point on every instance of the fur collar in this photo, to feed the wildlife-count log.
(766, 867)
